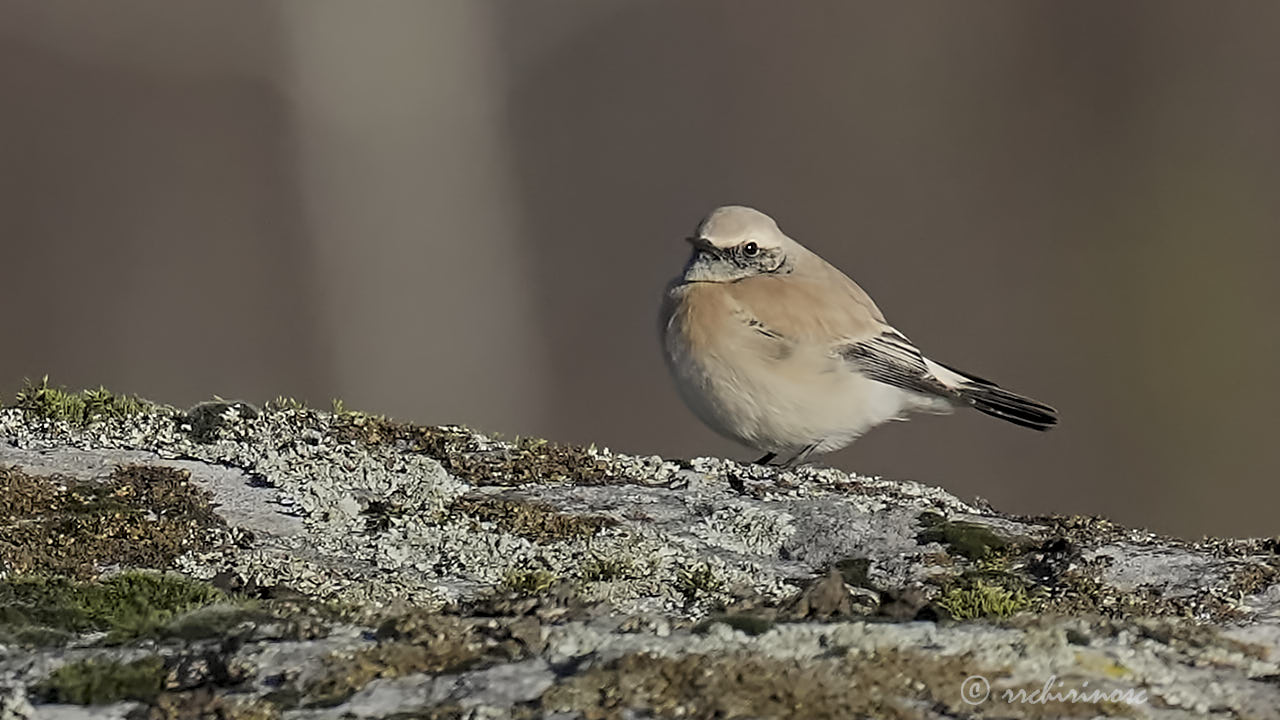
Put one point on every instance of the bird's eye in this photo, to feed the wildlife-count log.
(751, 249)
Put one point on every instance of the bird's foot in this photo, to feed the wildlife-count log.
(768, 458)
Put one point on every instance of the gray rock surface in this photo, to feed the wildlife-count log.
(367, 569)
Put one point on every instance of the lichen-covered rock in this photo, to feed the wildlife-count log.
(240, 562)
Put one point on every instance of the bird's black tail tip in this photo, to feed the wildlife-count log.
(1009, 406)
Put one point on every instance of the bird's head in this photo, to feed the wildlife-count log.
(736, 242)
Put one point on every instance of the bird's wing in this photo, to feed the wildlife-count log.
(825, 310)
(814, 311)
(890, 358)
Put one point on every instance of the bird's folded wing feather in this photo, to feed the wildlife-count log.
(812, 311)
(891, 359)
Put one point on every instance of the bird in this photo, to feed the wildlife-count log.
(773, 347)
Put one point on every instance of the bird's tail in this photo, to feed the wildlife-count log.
(987, 397)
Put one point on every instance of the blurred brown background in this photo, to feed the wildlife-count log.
(465, 211)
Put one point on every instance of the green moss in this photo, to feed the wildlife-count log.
(529, 582)
(410, 644)
(356, 421)
(346, 674)
(352, 426)
(100, 682)
(125, 605)
(76, 408)
(979, 599)
(527, 460)
(221, 620)
(468, 457)
(697, 581)
(31, 636)
(205, 703)
(284, 403)
(967, 539)
(994, 563)
(599, 568)
(140, 517)
(536, 521)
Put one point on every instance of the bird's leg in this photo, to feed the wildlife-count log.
(768, 458)
(800, 457)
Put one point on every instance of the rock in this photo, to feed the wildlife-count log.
(826, 599)
(244, 562)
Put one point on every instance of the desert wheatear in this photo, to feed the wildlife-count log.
(773, 347)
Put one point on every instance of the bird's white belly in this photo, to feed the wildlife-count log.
(783, 405)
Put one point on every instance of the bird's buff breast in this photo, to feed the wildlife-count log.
(734, 380)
